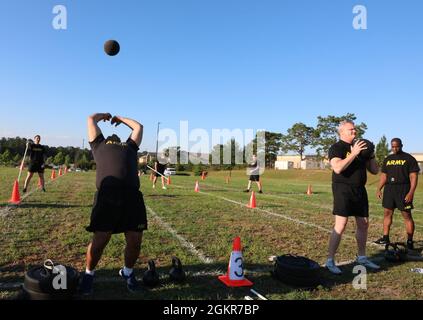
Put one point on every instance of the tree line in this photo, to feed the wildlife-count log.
(296, 140)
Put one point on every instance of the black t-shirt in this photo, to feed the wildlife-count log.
(398, 168)
(36, 153)
(254, 168)
(161, 167)
(116, 163)
(355, 173)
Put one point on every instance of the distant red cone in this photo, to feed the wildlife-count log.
(203, 176)
(16, 197)
(309, 190)
(197, 187)
(253, 203)
(235, 276)
(53, 174)
(60, 172)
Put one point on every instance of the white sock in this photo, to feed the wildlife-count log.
(91, 273)
(127, 271)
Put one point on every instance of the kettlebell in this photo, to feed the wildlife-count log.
(176, 273)
(151, 277)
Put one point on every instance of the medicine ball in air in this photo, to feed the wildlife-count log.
(111, 47)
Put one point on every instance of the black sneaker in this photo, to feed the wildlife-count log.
(86, 285)
(410, 245)
(131, 282)
(260, 191)
(44, 189)
(382, 241)
(247, 190)
(24, 190)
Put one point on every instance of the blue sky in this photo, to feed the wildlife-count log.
(215, 63)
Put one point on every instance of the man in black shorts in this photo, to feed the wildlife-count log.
(37, 157)
(118, 204)
(349, 178)
(254, 173)
(399, 180)
(160, 167)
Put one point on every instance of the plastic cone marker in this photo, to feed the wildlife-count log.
(253, 203)
(16, 198)
(235, 276)
(53, 174)
(197, 187)
(309, 190)
(60, 172)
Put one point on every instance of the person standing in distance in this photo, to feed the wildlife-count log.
(37, 156)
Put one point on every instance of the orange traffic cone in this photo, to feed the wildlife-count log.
(60, 172)
(16, 197)
(203, 177)
(197, 187)
(53, 174)
(168, 181)
(235, 276)
(65, 170)
(309, 190)
(253, 203)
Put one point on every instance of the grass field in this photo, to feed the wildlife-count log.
(199, 229)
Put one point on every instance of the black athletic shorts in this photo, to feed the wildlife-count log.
(394, 195)
(118, 210)
(159, 173)
(36, 167)
(254, 178)
(350, 200)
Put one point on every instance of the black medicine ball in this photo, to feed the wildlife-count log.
(367, 153)
(111, 47)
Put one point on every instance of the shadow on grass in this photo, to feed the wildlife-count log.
(37, 205)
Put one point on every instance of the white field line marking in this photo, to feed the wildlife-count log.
(312, 204)
(181, 239)
(279, 215)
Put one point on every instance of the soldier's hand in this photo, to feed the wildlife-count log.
(106, 117)
(409, 197)
(116, 121)
(358, 147)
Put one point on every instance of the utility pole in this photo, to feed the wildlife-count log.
(157, 141)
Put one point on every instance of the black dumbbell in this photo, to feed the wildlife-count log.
(151, 277)
(176, 273)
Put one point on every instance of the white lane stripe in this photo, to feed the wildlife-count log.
(181, 239)
(279, 215)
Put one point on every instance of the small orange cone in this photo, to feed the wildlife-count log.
(60, 172)
(235, 276)
(197, 187)
(16, 197)
(168, 181)
(65, 170)
(253, 203)
(53, 174)
(309, 190)
(203, 176)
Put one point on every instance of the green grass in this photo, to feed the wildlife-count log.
(51, 225)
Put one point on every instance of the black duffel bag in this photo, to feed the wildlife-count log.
(39, 283)
(297, 271)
